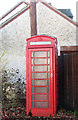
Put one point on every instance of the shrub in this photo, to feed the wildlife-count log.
(13, 89)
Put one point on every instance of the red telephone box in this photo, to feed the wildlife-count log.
(41, 77)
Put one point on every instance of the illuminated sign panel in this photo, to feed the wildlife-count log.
(41, 43)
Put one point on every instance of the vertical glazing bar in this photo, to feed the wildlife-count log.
(27, 78)
(33, 79)
(29, 81)
(54, 82)
(51, 81)
(47, 78)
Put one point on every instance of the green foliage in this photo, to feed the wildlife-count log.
(69, 111)
(13, 89)
(76, 113)
(72, 112)
(3, 63)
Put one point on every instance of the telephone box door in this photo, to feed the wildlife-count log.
(41, 82)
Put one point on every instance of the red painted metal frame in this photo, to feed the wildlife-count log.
(39, 109)
(53, 81)
(41, 38)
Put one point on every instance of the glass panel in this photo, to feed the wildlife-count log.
(40, 68)
(31, 68)
(32, 89)
(48, 75)
(40, 54)
(32, 75)
(40, 104)
(31, 61)
(32, 97)
(32, 104)
(48, 89)
(49, 104)
(48, 68)
(48, 54)
(48, 82)
(49, 97)
(48, 61)
(40, 75)
(32, 82)
(40, 89)
(40, 43)
(41, 82)
(40, 61)
(41, 97)
(31, 54)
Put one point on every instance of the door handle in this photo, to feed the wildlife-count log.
(51, 75)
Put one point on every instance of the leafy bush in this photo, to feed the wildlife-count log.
(2, 67)
(3, 63)
(13, 89)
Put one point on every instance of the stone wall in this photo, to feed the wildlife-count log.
(13, 39)
(51, 23)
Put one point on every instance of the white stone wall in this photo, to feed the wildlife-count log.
(13, 39)
(51, 23)
(13, 36)
(77, 11)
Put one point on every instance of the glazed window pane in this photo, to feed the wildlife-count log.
(40, 54)
(40, 61)
(40, 75)
(40, 68)
(40, 104)
(41, 97)
(41, 82)
(40, 89)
